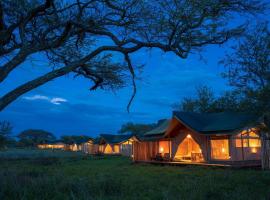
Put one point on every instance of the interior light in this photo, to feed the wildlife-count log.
(188, 136)
(223, 150)
(253, 150)
(161, 149)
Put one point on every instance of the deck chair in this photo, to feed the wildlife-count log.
(159, 157)
(166, 157)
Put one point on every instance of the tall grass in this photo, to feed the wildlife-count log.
(80, 177)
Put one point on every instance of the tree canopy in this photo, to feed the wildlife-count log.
(83, 37)
(247, 69)
(32, 137)
(135, 129)
(71, 139)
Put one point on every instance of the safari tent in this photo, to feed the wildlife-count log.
(77, 144)
(226, 138)
(52, 145)
(88, 146)
(116, 144)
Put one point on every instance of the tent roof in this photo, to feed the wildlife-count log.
(96, 140)
(114, 139)
(207, 123)
(161, 129)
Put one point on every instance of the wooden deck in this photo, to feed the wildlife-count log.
(183, 163)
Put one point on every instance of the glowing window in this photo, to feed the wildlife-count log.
(250, 139)
(238, 143)
(164, 147)
(254, 143)
(116, 148)
(220, 149)
(101, 148)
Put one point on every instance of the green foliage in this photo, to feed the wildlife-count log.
(74, 177)
(205, 101)
(32, 137)
(135, 129)
(248, 69)
(70, 34)
(70, 139)
(201, 103)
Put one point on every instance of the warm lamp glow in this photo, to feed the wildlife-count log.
(223, 150)
(188, 136)
(253, 150)
(161, 149)
(200, 151)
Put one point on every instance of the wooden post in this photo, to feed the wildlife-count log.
(170, 151)
(242, 147)
(265, 150)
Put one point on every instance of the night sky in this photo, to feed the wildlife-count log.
(65, 106)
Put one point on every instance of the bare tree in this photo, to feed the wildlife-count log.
(82, 36)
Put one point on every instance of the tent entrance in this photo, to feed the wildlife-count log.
(189, 150)
(108, 149)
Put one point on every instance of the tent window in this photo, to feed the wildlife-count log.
(238, 143)
(220, 149)
(164, 147)
(254, 143)
(250, 139)
(116, 148)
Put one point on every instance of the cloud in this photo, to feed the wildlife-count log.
(53, 100)
(37, 97)
(57, 100)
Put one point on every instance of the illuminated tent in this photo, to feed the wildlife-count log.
(115, 144)
(78, 143)
(225, 137)
(87, 146)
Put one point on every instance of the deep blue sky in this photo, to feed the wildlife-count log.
(66, 106)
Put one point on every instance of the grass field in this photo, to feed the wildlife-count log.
(35, 174)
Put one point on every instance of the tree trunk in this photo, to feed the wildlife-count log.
(14, 94)
(265, 150)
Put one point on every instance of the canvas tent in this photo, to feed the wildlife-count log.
(78, 144)
(209, 137)
(88, 146)
(116, 144)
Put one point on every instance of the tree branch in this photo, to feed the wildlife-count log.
(17, 92)
(131, 69)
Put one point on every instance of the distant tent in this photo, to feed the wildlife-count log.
(116, 144)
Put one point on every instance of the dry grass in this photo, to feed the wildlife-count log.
(74, 176)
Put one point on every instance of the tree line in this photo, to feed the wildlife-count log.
(32, 137)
